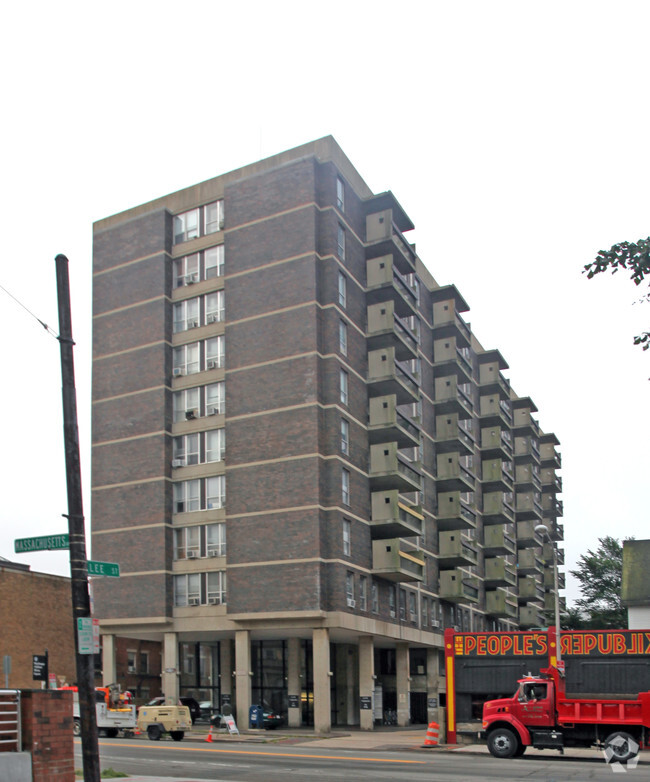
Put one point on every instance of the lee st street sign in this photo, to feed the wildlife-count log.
(103, 569)
(45, 543)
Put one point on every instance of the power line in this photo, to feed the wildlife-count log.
(43, 324)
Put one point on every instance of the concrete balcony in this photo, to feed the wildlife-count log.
(530, 590)
(528, 507)
(547, 554)
(526, 535)
(494, 411)
(498, 508)
(452, 436)
(551, 484)
(549, 605)
(551, 508)
(527, 477)
(531, 616)
(393, 562)
(500, 603)
(523, 421)
(447, 322)
(394, 518)
(496, 442)
(450, 359)
(387, 377)
(454, 512)
(457, 586)
(388, 425)
(526, 449)
(496, 475)
(497, 540)
(451, 475)
(390, 469)
(387, 330)
(452, 397)
(549, 579)
(529, 562)
(499, 573)
(387, 284)
(454, 549)
(383, 237)
(548, 456)
(490, 379)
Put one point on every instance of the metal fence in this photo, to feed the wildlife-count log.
(10, 738)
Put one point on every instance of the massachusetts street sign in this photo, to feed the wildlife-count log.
(45, 543)
(103, 569)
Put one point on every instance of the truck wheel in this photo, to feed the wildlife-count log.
(154, 732)
(503, 743)
(177, 735)
(76, 727)
(111, 733)
(620, 746)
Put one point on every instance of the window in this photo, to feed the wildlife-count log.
(349, 589)
(213, 261)
(402, 604)
(198, 222)
(186, 450)
(392, 600)
(187, 543)
(187, 496)
(425, 612)
(347, 546)
(131, 658)
(186, 404)
(363, 593)
(340, 194)
(345, 436)
(345, 486)
(374, 597)
(214, 352)
(215, 492)
(187, 589)
(199, 266)
(215, 445)
(186, 226)
(215, 399)
(413, 614)
(144, 662)
(186, 315)
(214, 309)
(343, 290)
(215, 539)
(340, 242)
(213, 217)
(186, 359)
(216, 588)
(343, 386)
(343, 337)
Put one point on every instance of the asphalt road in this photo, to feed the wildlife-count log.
(268, 763)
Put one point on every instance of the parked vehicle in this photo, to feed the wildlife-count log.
(541, 716)
(184, 700)
(158, 720)
(114, 712)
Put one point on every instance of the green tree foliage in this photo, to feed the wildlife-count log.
(635, 257)
(600, 574)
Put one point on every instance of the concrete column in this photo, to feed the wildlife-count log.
(243, 684)
(109, 667)
(434, 713)
(225, 669)
(322, 696)
(294, 687)
(170, 663)
(366, 681)
(402, 681)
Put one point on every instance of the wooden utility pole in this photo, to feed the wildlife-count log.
(78, 568)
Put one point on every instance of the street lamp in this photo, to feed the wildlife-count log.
(542, 529)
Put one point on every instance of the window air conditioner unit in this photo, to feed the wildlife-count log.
(192, 324)
(211, 319)
(435, 623)
(456, 628)
(193, 601)
(179, 371)
(213, 601)
(212, 364)
(178, 462)
(222, 224)
(191, 555)
(351, 602)
(191, 278)
(213, 554)
(190, 414)
(213, 411)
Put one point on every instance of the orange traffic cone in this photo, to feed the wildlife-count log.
(431, 739)
(209, 736)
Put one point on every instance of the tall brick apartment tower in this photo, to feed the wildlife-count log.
(304, 461)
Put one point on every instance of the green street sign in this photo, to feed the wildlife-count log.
(45, 543)
(103, 569)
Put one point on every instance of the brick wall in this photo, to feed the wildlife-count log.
(46, 722)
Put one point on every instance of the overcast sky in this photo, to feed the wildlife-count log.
(515, 135)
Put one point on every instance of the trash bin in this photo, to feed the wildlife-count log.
(256, 716)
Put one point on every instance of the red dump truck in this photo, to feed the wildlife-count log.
(540, 715)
